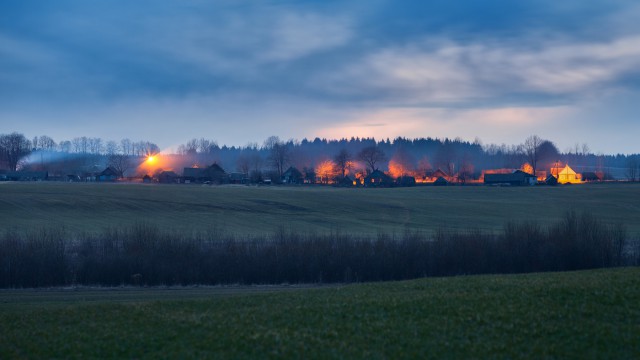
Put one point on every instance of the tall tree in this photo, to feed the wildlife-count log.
(279, 154)
(371, 156)
(14, 147)
(531, 148)
(120, 163)
(341, 160)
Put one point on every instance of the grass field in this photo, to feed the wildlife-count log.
(253, 210)
(581, 315)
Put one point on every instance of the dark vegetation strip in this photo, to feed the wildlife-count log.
(143, 254)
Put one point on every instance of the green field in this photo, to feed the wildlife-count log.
(254, 210)
(581, 315)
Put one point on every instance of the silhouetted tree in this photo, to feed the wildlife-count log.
(279, 153)
(119, 162)
(14, 147)
(371, 156)
(342, 161)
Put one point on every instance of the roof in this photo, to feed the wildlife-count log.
(215, 168)
(292, 172)
(567, 171)
(110, 171)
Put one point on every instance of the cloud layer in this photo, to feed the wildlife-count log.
(499, 70)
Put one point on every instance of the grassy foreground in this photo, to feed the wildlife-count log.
(588, 314)
(258, 210)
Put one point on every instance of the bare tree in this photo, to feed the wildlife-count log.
(13, 148)
(632, 168)
(65, 146)
(120, 163)
(446, 158)
(341, 161)
(111, 147)
(46, 143)
(243, 163)
(279, 154)
(371, 156)
(531, 148)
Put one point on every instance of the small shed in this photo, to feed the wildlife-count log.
(551, 180)
(146, 179)
(591, 176)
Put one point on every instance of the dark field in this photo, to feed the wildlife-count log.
(259, 210)
(589, 314)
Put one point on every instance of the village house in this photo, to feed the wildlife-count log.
(108, 174)
(378, 179)
(566, 175)
(292, 176)
(212, 174)
(516, 178)
(346, 181)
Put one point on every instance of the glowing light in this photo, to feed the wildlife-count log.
(151, 158)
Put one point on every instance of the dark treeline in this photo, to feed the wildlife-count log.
(144, 255)
(412, 156)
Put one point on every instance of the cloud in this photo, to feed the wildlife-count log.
(440, 70)
(297, 35)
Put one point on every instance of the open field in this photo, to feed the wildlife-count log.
(588, 314)
(255, 210)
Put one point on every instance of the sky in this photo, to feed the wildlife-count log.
(239, 71)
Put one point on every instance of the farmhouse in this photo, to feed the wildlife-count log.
(516, 178)
(108, 174)
(346, 181)
(378, 179)
(213, 173)
(292, 176)
(566, 175)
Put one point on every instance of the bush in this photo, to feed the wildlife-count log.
(144, 255)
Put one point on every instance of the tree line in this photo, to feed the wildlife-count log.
(320, 158)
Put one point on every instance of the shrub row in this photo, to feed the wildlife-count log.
(144, 255)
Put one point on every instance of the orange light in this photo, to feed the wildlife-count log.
(151, 159)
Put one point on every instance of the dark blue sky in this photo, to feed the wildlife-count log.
(240, 71)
